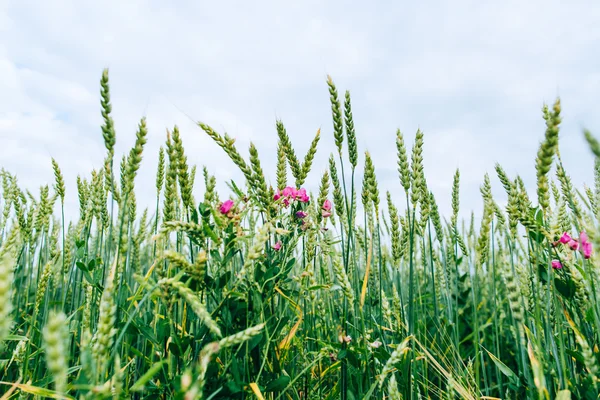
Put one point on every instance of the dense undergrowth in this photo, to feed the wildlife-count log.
(276, 293)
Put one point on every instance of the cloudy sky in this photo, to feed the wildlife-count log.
(472, 76)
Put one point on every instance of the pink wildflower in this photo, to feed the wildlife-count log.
(565, 238)
(556, 264)
(326, 209)
(302, 196)
(226, 207)
(376, 344)
(586, 245)
(277, 196)
(289, 192)
(277, 246)
(573, 244)
(301, 214)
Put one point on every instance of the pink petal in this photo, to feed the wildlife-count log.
(288, 192)
(226, 207)
(587, 250)
(565, 238)
(301, 214)
(573, 244)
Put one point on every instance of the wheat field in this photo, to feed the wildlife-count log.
(274, 292)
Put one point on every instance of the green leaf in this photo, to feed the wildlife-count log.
(277, 384)
(229, 255)
(566, 288)
(175, 349)
(215, 255)
(536, 236)
(318, 287)
(15, 337)
(194, 216)
(576, 355)
(236, 189)
(38, 391)
(145, 330)
(94, 263)
(252, 343)
(223, 279)
(233, 387)
(209, 232)
(204, 210)
(538, 215)
(139, 385)
(81, 266)
(503, 367)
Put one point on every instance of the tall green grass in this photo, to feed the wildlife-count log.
(274, 293)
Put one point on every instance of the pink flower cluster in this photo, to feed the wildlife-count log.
(583, 245)
(226, 207)
(326, 209)
(290, 194)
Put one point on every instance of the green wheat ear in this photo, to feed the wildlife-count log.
(227, 144)
(417, 174)
(488, 209)
(338, 198)
(395, 222)
(593, 142)
(365, 193)
(323, 193)
(308, 160)
(185, 181)
(260, 184)
(108, 127)
(455, 197)
(281, 166)
(403, 167)
(56, 337)
(372, 183)
(546, 153)
(59, 186)
(160, 171)
(289, 151)
(8, 259)
(82, 193)
(336, 111)
(435, 218)
(170, 182)
(350, 132)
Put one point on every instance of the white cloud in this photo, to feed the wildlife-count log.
(473, 76)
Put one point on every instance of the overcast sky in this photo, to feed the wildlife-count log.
(472, 75)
